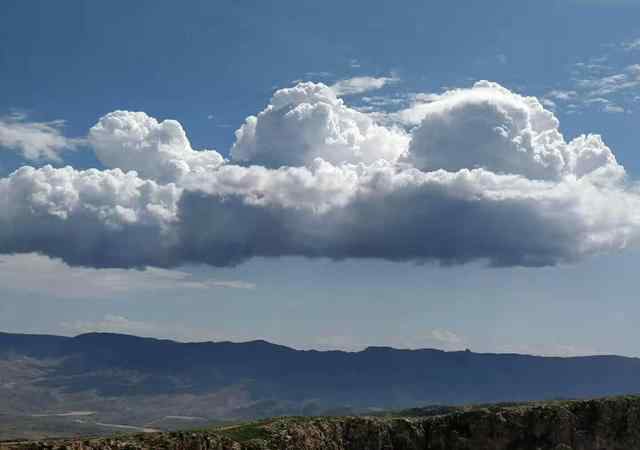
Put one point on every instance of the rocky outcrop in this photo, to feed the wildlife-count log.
(604, 424)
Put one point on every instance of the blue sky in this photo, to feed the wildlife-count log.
(209, 65)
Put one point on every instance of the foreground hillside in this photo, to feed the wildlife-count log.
(103, 383)
(605, 424)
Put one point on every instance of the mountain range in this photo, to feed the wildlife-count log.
(161, 384)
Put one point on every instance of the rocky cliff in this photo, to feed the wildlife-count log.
(604, 424)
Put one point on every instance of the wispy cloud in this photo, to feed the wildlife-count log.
(613, 109)
(633, 44)
(117, 323)
(447, 337)
(627, 79)
(111, 323)
(42, 275)
(558, 94)
(439, 338)
(359, 85)
(321, 75)
(607, 82)
(559, 350)
(231, 284)
(415, 109)
(35, 140)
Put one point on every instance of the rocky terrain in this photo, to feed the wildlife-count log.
(603, 424)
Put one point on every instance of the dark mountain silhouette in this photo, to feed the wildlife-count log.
(143, 377)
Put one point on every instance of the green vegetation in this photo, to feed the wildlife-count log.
(246, 432)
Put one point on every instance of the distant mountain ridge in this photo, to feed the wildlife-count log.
(138, 379)
(434, 376)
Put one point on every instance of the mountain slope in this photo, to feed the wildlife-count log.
(132, 380)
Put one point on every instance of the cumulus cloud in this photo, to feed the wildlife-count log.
(492, 128)
(485, 175)
(359, 85)
(309, 121)
(451, 217)
(156, 150)
(34, 140)
(94, 218)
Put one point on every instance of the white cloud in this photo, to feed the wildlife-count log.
(35, 140)
(629, 78)
(316, 76)
(307, 122)
(233, 284)
(156, 150)
(633, 44)
(111, 323)
(38, 274)
(486, 175)
(446, 337)
(359, 85)
(549, 104)
(415, 112)
(602, 103)
(557, 350)
(438, 338)
(559, 94)
(614, 109)
(115, 323)
(507, 133)
(613, 77)
(87, 217)
(382, 101)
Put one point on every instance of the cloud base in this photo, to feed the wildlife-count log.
(485, 174)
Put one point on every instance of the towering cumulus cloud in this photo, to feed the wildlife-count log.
(485, 175)
(308, 121)
(156, 150)
(492, 128)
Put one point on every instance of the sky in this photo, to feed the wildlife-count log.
(327, 175)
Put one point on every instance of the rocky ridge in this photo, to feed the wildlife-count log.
(602, 424)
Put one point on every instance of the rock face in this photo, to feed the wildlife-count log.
(605, 424)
